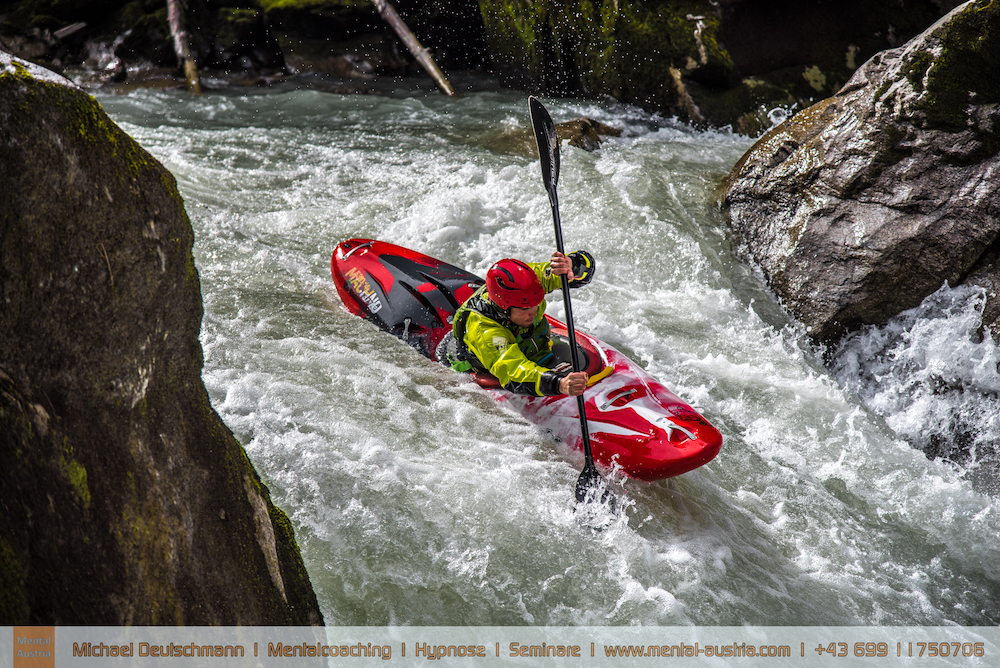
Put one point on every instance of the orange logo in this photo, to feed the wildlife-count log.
(363, 289)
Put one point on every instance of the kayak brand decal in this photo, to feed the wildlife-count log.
(363, 289)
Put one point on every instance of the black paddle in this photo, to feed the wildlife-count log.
(548, 150)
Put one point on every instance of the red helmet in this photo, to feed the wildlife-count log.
(513, 283)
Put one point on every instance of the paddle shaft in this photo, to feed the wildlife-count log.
(571, 330)
(548, 153)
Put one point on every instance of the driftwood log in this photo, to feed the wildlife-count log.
(175, 17)
(390, 16)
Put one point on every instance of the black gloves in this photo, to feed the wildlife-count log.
(583, 267)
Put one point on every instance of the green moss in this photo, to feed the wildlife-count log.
(130, 14)
(238, 15)
(815, 78)
(76, 474)
(916, 68)
(93, 127)
(84, 118)
(284, 535)
(233, 25)
(968, 69)
(890, 152)
(513, 33)
(149, 546)
(880, 94)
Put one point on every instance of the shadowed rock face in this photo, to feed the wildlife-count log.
(862, 205)
(125, 499)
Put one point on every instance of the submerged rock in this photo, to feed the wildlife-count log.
(585, 133)
(862, 205)
(124, 499)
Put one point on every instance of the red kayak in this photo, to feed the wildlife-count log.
(636, 424)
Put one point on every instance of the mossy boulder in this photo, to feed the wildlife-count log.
(622, 48)
(124, 499)
(862, 205)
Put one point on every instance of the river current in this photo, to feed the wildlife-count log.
(418, 500)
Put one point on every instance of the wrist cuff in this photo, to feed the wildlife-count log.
(549, 382)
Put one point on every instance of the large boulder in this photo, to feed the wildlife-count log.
(862, 205)
(124, 499)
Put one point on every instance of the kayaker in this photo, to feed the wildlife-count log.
(501, 328)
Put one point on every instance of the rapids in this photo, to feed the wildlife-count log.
(417, 500)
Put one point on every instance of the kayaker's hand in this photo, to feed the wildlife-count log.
(560, 264)
(574, 384)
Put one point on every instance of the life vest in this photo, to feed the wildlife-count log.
(486, 340)
(533, 341)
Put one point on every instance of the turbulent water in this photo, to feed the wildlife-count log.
(417, 500)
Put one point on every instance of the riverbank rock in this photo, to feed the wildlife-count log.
(124, 499)
(862, 205)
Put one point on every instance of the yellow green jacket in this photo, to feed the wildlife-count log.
(488, 341)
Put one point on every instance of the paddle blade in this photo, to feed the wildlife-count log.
(548, 143)
(590, 486)
(596, 507)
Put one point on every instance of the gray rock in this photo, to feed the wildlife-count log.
(124, 499)
(584, 133)
(862, 205)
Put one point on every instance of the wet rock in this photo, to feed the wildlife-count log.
(54, 44)
(862, 205)
(584, 133)
(124, 499)
(344, 40)
(114, 72)
(986, 274)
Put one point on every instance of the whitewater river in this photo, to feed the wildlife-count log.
(417, 500)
